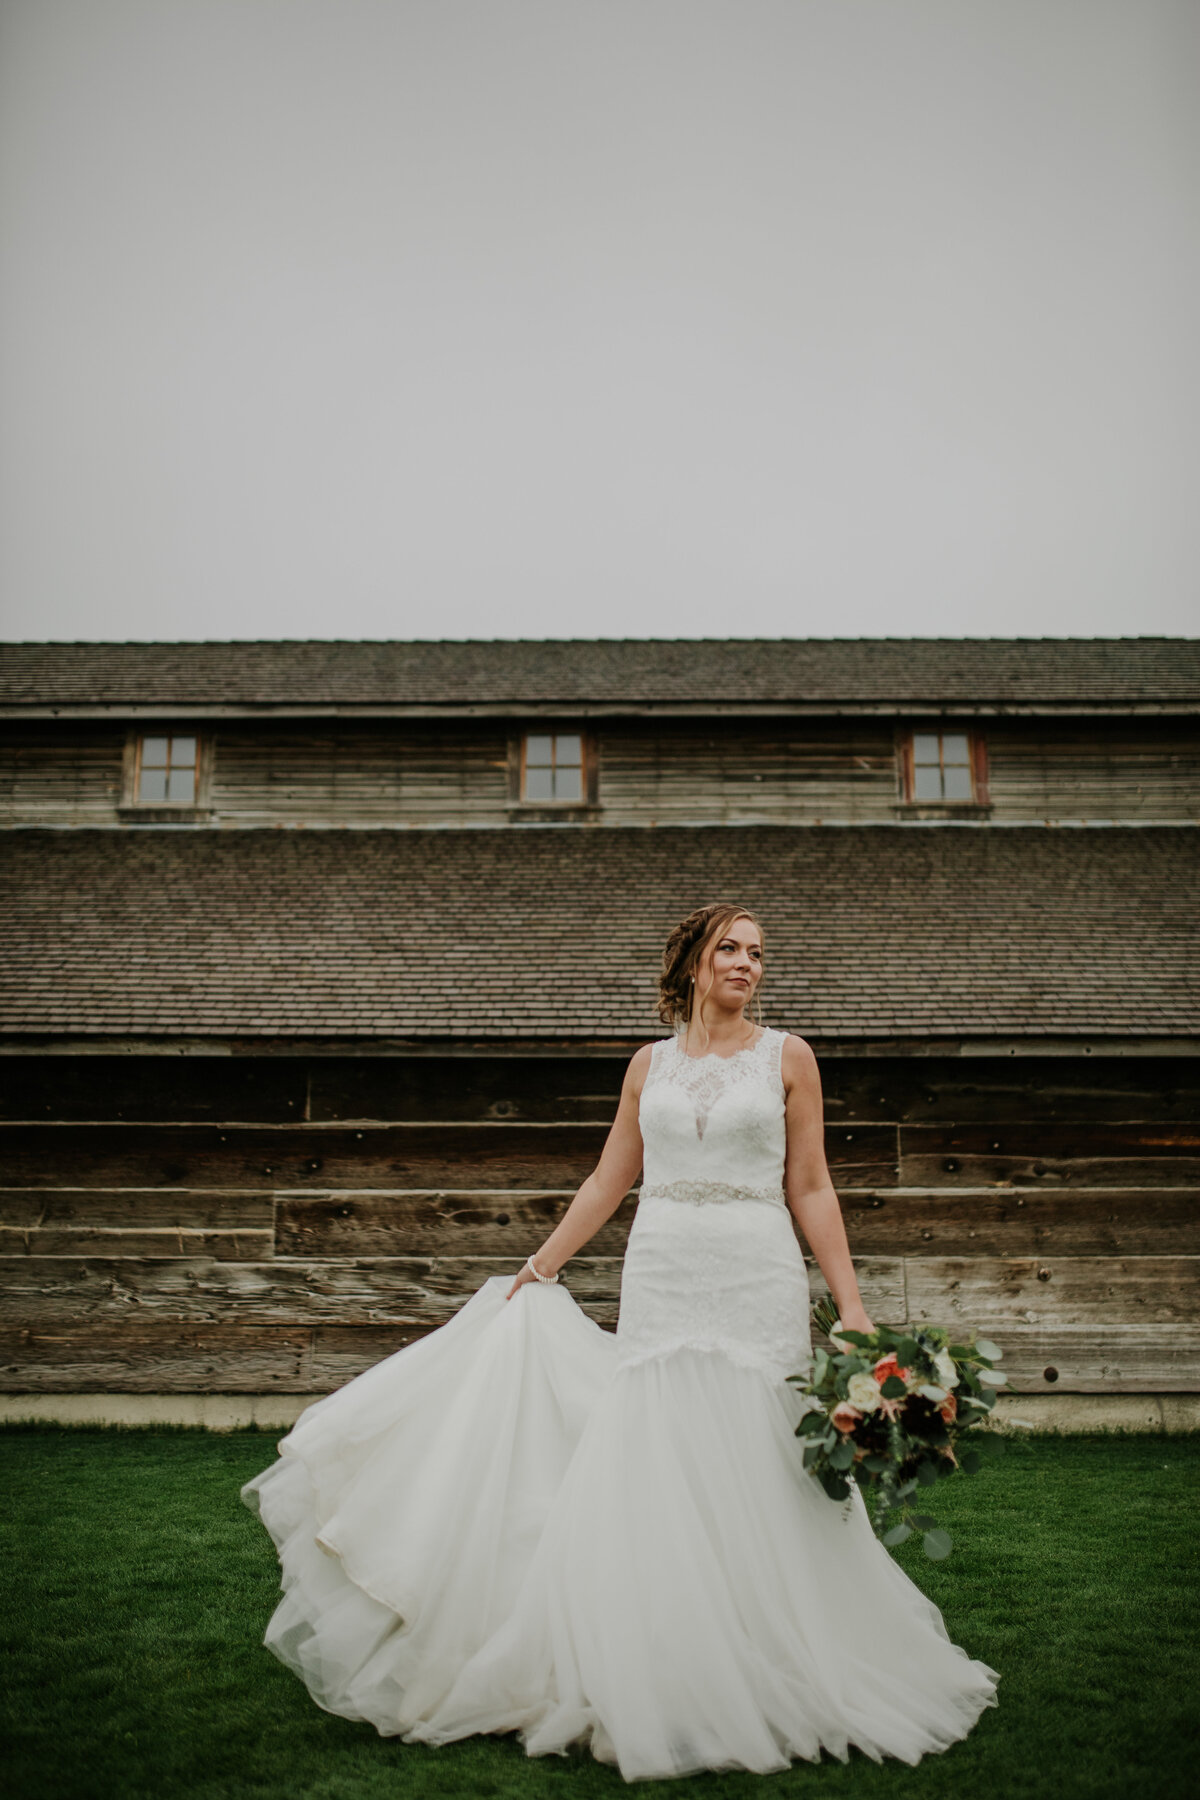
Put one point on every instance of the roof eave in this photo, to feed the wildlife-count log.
(601, 709)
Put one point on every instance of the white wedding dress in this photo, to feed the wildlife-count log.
(522, 1523)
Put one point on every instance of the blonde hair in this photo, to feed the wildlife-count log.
(684, 953)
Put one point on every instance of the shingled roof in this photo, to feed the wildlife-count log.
(556, 933)
(840, 673)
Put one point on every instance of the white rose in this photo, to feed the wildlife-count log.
(863, 1391)
(943, 1362)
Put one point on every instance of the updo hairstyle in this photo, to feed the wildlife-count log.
(685, 947)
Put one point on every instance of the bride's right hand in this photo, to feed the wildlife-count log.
(524, 1277)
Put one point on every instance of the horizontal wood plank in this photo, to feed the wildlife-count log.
(122, 1241)
(403, 1291)
(378, 1156)
(984, 1222)
(481, 1223)
(1038, 1153)
(993, 1293)
(141, 1357)
(150, 1209)
(399, 1291)
(556, 1090)
(1017, 1172)
(1102, 1359)
(490, 1088)
(1011, 1092)
(268, 1090)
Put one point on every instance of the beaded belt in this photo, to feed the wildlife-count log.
(703, 1193)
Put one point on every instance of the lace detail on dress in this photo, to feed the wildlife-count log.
(712, 1274)
(706, 1078)
(702, 1193)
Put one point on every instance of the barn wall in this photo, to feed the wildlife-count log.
(650, 772)
(248, 1225)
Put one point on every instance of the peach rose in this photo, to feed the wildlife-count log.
(887, 1365)
(844, 1416)
(949, 1408)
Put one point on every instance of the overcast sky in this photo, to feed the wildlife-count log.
(392, 318)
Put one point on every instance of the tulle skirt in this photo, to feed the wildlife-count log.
(500, 1529)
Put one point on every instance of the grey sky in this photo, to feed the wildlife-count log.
(372, 318)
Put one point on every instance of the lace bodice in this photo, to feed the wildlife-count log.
(723, 1270)
(713, 1126)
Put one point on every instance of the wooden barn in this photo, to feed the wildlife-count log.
(321, 962)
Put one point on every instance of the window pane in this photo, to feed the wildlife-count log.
(568, 784)
(925, 746)
(539, 752)
(183, 750)
(954, 747)
(927, 784)
(181, 786)
(153, 785)
(958, 783)
(539, 784)
(154, 753)
(570, 750)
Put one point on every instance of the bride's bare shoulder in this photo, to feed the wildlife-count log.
(798, 1063)
(639, 1068)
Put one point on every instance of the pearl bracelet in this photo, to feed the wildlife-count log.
(537, 1274)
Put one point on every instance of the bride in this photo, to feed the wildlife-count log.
(523, 1523)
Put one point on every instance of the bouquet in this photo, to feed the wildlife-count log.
(890, 1409)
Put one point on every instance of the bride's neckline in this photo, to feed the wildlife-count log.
(706, 1054)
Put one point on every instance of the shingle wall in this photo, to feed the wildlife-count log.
(557, 932)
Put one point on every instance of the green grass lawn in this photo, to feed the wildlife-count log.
(138, 1588)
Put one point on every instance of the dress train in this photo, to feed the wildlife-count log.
(503, 1527)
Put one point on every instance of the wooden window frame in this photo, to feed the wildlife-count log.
(588, 772)
(134, 810)
(980, 801)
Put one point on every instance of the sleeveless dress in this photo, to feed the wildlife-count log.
(523, 1523)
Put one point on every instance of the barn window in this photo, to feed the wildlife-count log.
(553, 767)
(166, 771)
(941, 768)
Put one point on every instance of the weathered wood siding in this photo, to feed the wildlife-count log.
(1093, 772)
(779, 773)
(64, 775)
(649, 772)
(426, 776)
(239, 1225)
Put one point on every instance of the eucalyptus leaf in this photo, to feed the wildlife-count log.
(893, 1388)
(907, 1350)
(927, 1473)
(922, 1522)
(970, 1462)
(875, 1464)
(897, 1535)
(985, 1347)
(937, 1544)
(993, 1377)
(842, 1456)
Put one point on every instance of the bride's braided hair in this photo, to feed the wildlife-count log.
(684, 949)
